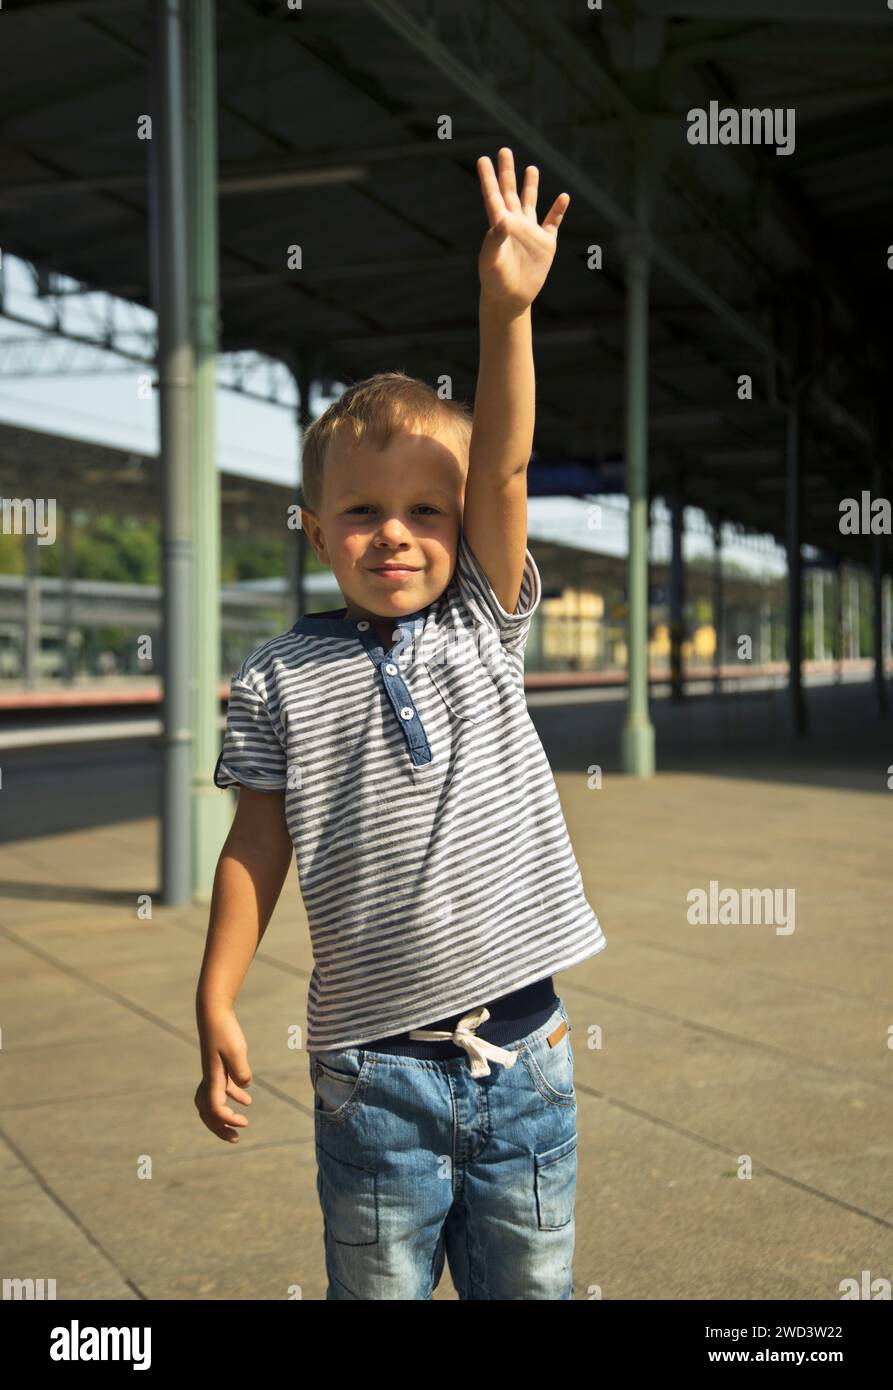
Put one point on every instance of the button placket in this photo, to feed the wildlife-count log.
(397, 691)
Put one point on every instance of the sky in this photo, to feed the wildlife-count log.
(81, 391)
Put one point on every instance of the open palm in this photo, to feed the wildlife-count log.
(517, 251)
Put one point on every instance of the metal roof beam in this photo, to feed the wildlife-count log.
(48, 9)
(618, 124)
(555, 39)
(792, 12)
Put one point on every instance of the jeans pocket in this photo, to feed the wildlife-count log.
(556, 1185)
(339, 1090)
(551, 1069)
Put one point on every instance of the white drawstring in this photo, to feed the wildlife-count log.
(463, 1035)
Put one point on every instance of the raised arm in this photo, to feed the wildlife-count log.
(513, 264)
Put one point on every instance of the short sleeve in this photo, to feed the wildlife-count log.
(252, 752)
(480, 600)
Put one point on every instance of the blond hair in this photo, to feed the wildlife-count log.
(375, 409)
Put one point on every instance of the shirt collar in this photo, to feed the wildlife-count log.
(335, 623)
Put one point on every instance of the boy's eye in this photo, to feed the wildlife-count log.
(367, 506)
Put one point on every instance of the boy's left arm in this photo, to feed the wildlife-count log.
(513, 265)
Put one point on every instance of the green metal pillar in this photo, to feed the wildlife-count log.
(879, 640)
(298, 546)
(840, 624)
(31, 645)
(637, 745)
(677, 594)
(69, 650)
(168, 245)
(211, 811)
(718, 615)
(796, 419)
(818, 614)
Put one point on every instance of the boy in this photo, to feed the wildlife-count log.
(389, 744)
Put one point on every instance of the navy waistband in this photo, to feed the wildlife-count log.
(512, 1016)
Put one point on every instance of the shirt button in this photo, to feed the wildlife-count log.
(391, 668)
(406, 712)
(362, 625)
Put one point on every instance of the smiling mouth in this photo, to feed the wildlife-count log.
(393, 569)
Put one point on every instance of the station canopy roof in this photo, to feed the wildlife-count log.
(76, 473)
(331, 132)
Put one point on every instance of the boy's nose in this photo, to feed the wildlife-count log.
(391, 533)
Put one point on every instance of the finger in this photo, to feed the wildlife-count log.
(234, 1066)
(529, 190)
(223, 1131)
(220, 1114)
(237, 1092)
(219, 1110)
(507, 179)
(218, 1118)
(552, 219)
(493, 204)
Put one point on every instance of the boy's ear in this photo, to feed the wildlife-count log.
(313, 531)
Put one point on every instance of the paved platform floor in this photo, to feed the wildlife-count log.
(723, 1048)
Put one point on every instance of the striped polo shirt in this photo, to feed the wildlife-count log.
(432, 853)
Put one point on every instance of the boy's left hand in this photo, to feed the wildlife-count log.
(517, 252)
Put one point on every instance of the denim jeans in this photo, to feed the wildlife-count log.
(417, 1161)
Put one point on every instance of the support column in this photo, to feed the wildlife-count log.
(31, 644)
(298, 546)
(853, 622)
(795, 422)
(677, 595)
(840, 624)
(717, 604)
(68, 595)
(212, 812)
(169, 257)
(818, 613)
(638, 731)
(877, 615)
(765, 632)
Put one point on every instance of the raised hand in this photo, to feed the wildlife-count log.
(517, 252)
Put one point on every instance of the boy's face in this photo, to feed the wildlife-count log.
(398, 506)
